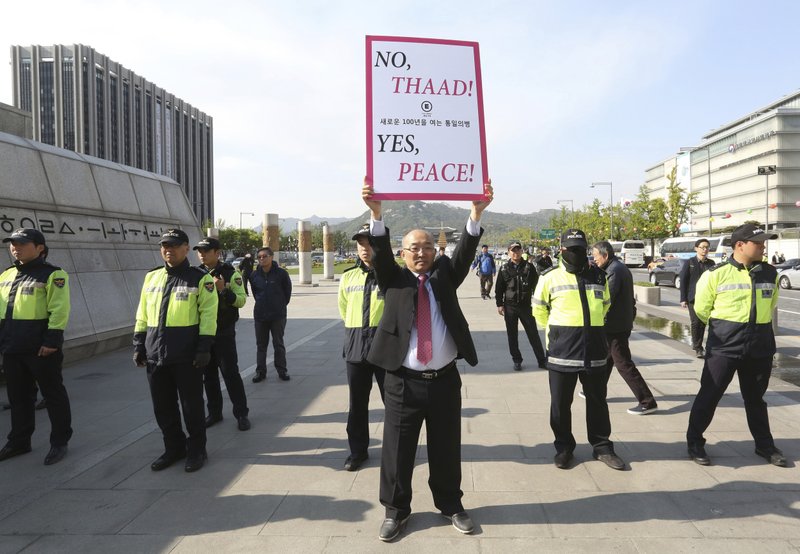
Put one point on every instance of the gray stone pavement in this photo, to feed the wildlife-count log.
(281, 486)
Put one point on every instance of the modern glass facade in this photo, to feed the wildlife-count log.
(81, 100)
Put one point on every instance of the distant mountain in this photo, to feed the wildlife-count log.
(402, 216)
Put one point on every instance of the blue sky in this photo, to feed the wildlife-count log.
(574, 91)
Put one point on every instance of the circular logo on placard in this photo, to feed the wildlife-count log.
(426, 106)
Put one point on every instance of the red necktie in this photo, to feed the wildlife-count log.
(424, 341)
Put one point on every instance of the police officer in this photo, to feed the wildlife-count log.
(572, 300)
(175, 326)
(689, 275)
(736, 300)
(34, 301)
(516, 281)
(228, 283)
(361, 308)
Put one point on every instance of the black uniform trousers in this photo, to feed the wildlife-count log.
(359, 381)
(23, 371)
(246, 281)
(167, 383)
(264, 329)
(410, 401)
(698, 327)
(754, 374)
(619, 354)
(225, 360)
(513, 315)
(486, 284)
(598, 422)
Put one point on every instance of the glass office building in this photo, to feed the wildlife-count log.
(81, 100)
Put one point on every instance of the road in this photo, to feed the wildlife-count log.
(788, 301)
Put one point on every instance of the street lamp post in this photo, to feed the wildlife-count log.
(766, 171)
(610, 186)
(571, 209)
(240, 217)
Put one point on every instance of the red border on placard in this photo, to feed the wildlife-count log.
(482, 128)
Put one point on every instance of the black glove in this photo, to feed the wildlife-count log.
(140, 358)
(202, 359)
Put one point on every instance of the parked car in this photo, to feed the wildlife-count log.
(667, 273)
(790, 277)
(791, 262)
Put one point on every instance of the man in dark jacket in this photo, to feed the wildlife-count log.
(272, 290)
(619, 324)
(224, 358)
(689, 275)
(543, 261)
(516, 281)
(246, 268)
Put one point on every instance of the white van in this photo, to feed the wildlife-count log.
(631, 252)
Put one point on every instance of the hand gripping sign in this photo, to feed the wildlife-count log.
(425, 132)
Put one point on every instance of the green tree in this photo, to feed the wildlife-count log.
(239, 241)
(680, 205)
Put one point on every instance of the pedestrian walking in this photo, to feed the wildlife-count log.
(246, 268)
(689, 274)
(486, 269)
(516, 282)
(737, 299)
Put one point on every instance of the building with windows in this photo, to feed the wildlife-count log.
(724, 170)
(83, 101)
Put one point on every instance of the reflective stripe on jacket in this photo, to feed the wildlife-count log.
(573, 308)
(361, 308)
(737, 303)
(177, 314)
(34, 303)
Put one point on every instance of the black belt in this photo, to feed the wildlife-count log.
(428, 374)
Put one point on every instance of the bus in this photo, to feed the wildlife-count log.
(631, 252)
(719, 248)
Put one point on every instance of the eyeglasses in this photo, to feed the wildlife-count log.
(418, 249)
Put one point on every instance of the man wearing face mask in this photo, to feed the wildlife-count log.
(571, 300)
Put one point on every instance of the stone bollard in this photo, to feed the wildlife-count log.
(272, 235)
(304, 251)
(327, 252)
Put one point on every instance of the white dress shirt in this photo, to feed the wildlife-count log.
(444, 347)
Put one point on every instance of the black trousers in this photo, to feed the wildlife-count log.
(359, 381)
(246, 281)
(167, 383)
(409, 402)
(264, 329)
(698, 327)
(486, 284)
(23, 371)
(754, 374)
(598, 422)
(619, 354)
(225, 360)
(513, 315)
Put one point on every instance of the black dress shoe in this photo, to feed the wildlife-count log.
(611, 460)
(166, 460)
(773, 456)
(283, 376)
(517, 366)
(9, 451)
(563, 459)
(699, 456)
(391, 527)
(462, 522)
(56, 454)
(258, 377)
(195, 461)
(212, 419)
(243, 423)
(352, 463)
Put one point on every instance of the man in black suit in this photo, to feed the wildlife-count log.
(689, 275)
(419, 355)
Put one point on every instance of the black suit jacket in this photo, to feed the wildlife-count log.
(690, 273)
(399, 286)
